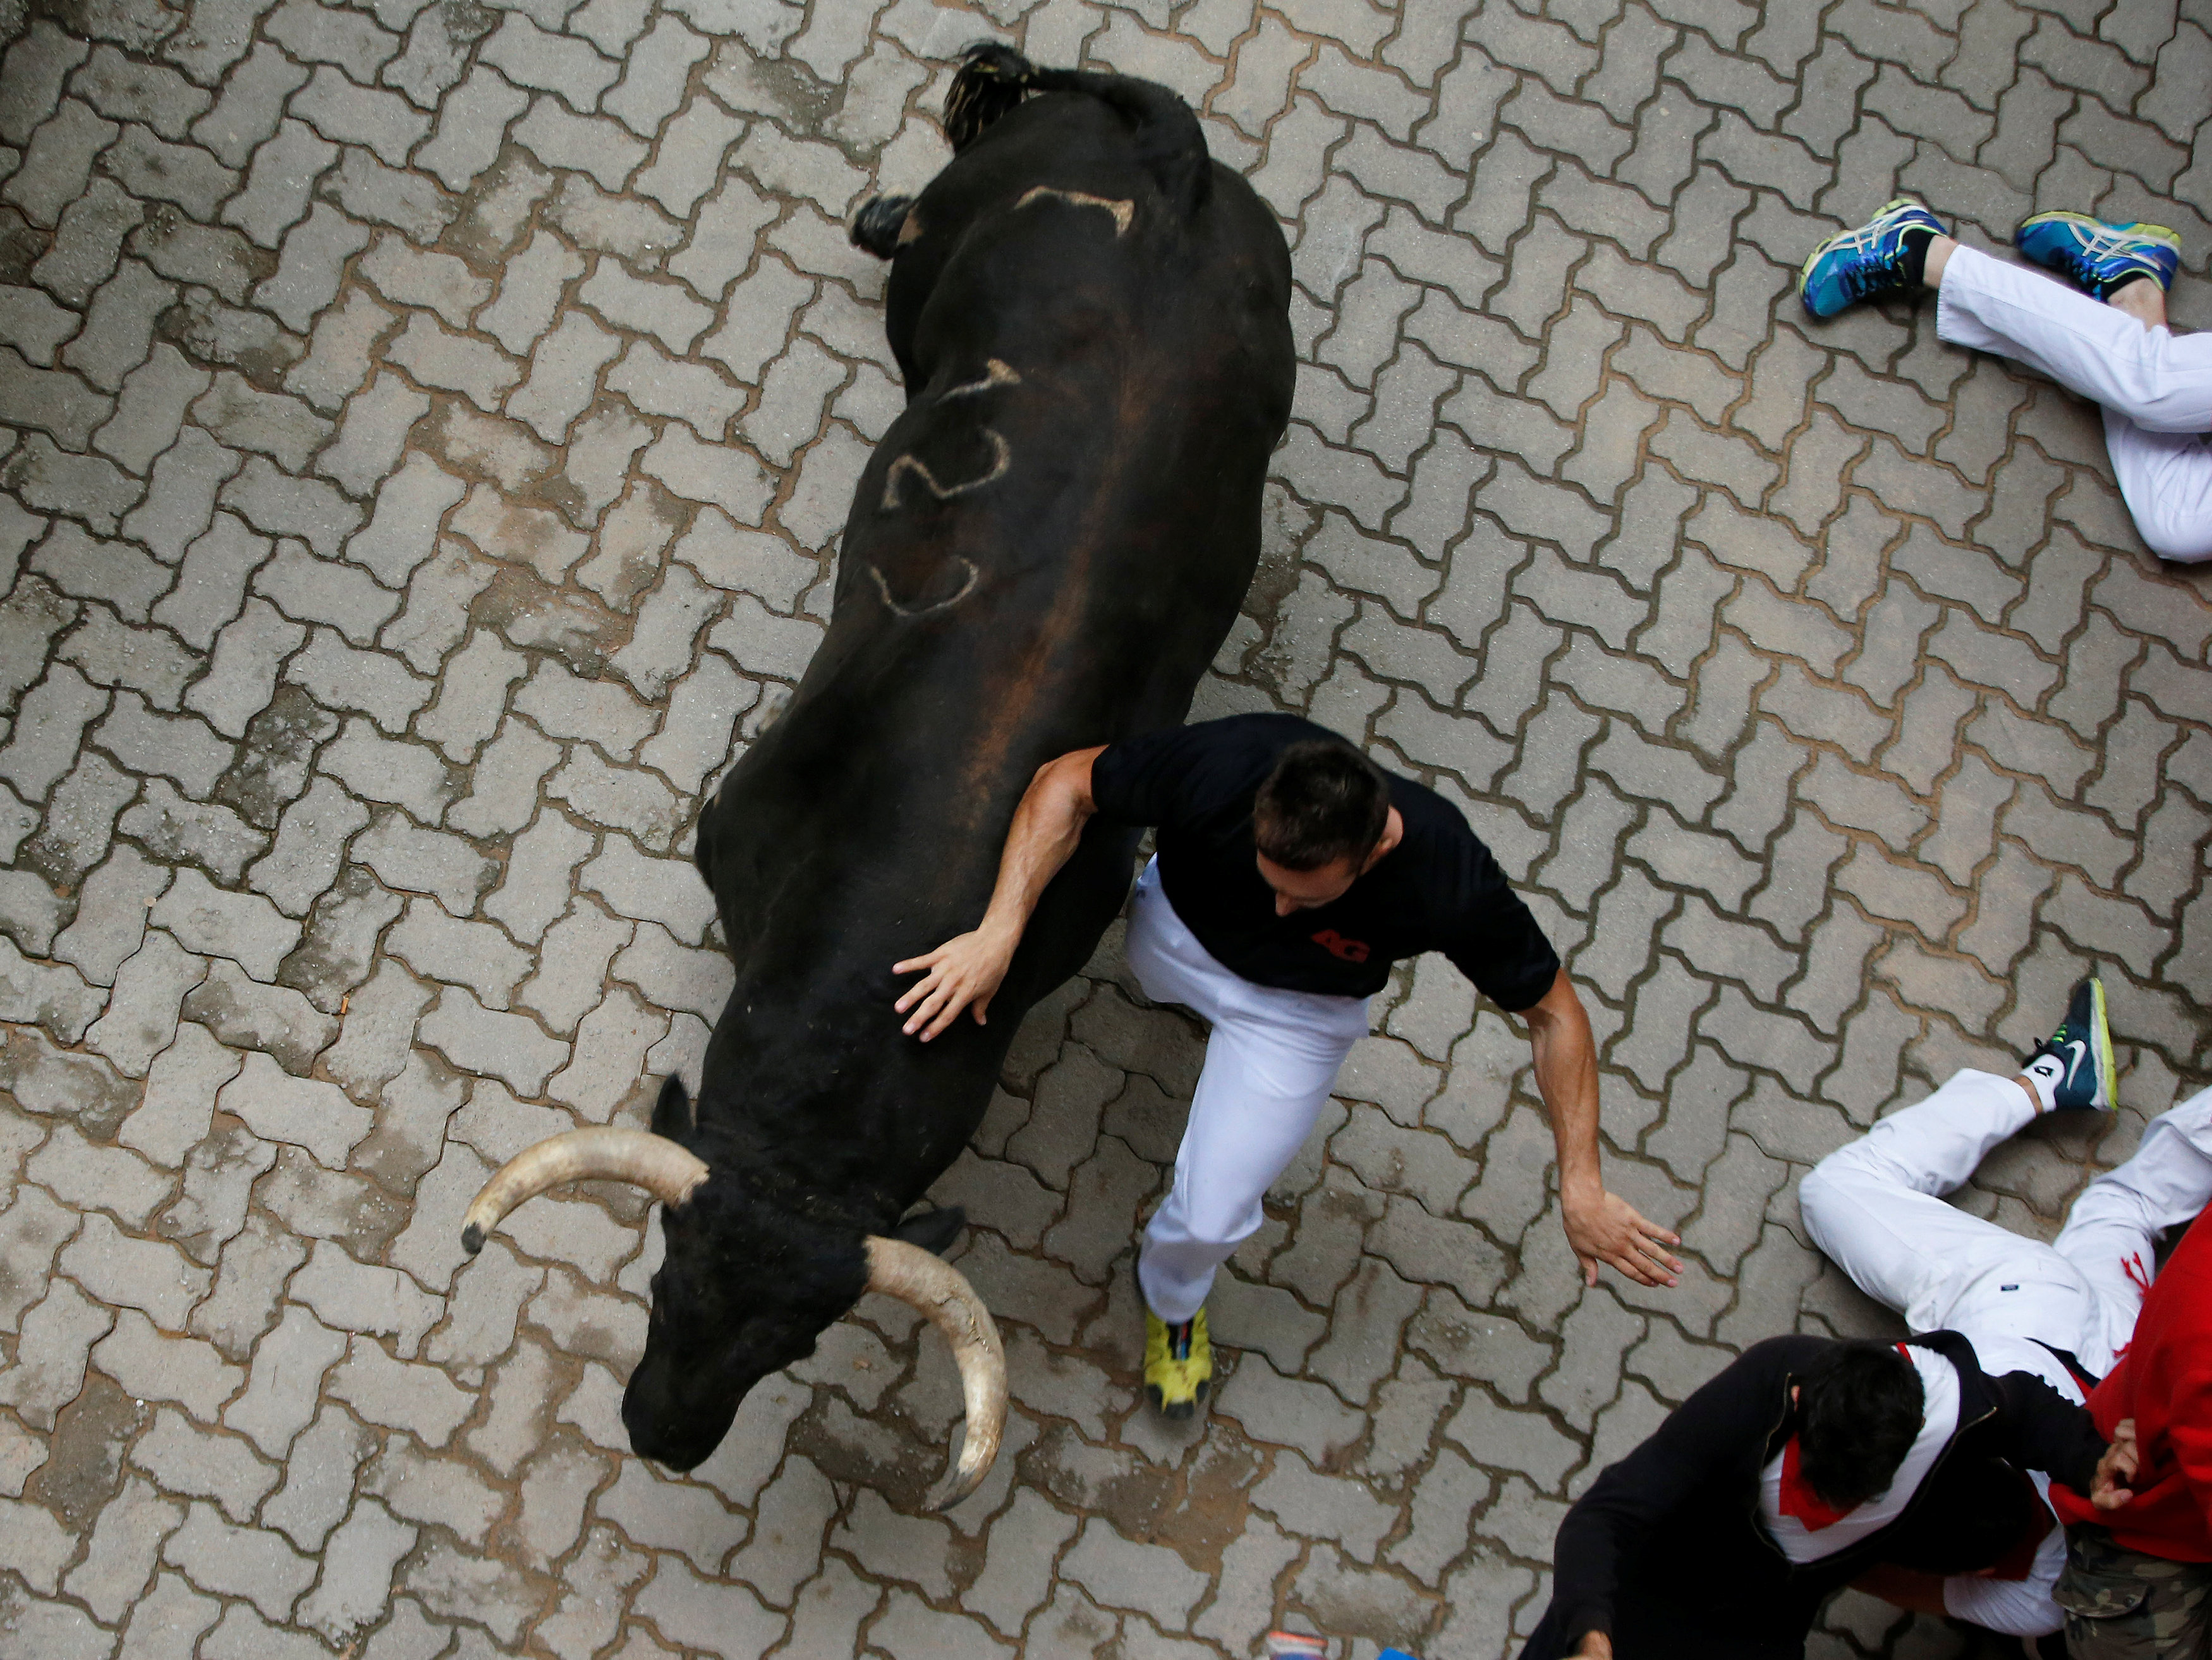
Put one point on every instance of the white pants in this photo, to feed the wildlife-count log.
(2156, 387)
(1873, 1206)
(1270, 1065)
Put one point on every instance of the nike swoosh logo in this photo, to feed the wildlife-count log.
(2081, 1054)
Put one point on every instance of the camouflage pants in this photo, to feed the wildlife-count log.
(2123, 1605)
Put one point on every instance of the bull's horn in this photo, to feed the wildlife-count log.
(665, 1169)
(940, 1291)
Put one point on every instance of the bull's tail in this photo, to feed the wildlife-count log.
(993, 78)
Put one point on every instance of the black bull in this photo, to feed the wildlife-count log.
(1044, 553)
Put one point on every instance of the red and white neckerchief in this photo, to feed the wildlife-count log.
(1806, 1528)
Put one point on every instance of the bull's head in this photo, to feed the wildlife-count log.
(741, 1293)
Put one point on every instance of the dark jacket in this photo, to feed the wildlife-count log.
(1666, 1553)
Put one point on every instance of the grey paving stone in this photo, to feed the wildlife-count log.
(246, 1014)
(585, 143)
(238, 1561)
(283, 174)
(473, 120)
(425, 862)
(306, 278)
(140, 1017)
(209, 919)
(110, 914)
(508, 1046)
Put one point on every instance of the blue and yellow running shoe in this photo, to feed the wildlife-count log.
(1178, 1363)
(2099, 255)
(2075, 1062)
(1881, 258)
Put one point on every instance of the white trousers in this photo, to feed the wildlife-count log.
(2156, 387)
(1270, 1065)
(1873, 1207)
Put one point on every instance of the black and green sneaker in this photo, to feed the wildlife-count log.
(2074, 1066)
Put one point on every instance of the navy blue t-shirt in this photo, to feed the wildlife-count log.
(1437, 889)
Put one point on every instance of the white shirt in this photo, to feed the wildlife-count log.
(2019, 1607)
(1939, 1418)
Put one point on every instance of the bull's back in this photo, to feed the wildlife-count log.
(1044, 553)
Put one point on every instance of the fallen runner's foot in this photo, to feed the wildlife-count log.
(2071, 1070)
(1886, 256)
(1178, 1363)
(2097, 255)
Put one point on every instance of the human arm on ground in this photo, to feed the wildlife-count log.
(1602, 1226)
(965, 972)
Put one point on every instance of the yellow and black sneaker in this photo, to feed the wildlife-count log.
(1178, 1363)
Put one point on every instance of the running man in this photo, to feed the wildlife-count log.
(1292, 872)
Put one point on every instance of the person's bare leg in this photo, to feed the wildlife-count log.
(1939, 255)
(2143, 300)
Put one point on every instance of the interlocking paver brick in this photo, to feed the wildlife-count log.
(141, 1016)
(473, 123)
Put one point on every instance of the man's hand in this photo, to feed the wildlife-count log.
(1596, 1645)
(2110, 1489)
(962, 974)
(1601, 1227)
(1609, 1229)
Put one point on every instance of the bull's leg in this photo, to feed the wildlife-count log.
(876, 226)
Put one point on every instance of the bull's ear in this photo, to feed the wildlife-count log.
(934, 1230)
(671, 1113)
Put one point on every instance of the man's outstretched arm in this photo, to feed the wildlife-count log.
(965, 972)
(1602, 1226)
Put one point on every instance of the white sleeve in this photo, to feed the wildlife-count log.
(2017, 1608)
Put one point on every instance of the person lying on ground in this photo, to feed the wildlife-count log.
(2138, 1579)
(1812, 1463)
(2062, 1312)
(1804, 1464)
(1292, 872)
(2109, 344)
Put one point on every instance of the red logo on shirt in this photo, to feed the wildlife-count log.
(1351, 950)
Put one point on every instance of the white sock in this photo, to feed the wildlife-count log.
(2044, 1074)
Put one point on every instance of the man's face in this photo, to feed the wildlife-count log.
(1305, 889)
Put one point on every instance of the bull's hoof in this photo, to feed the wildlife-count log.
(876, 226)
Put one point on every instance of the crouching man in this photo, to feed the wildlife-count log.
(2066, 1311)
(1292, 872)
(1802, 1465)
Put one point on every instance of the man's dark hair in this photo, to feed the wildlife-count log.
(1324, 801)
(1858, 1412)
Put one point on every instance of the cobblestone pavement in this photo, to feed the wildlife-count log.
(430, 427)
